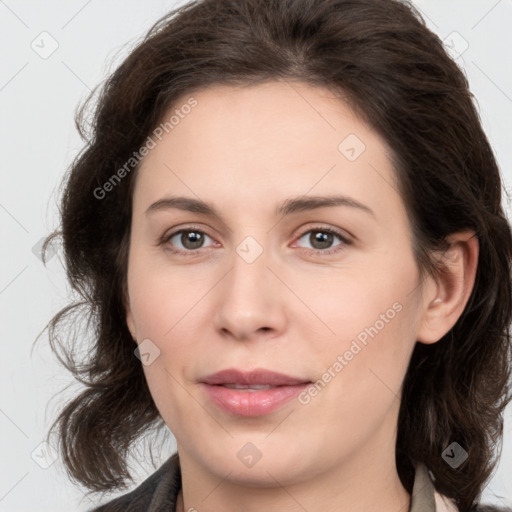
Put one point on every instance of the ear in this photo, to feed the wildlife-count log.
(447, 294)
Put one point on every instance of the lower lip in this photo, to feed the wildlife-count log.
(252, 403)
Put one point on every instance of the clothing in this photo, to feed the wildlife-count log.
(159, 492)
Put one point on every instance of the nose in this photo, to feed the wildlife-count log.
(250, 300)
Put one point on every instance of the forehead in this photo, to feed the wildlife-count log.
(280, 117)
(262, 142)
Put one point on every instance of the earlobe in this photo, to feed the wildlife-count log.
(446, 300)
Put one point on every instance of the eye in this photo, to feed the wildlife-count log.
(186, 240)
(321, 240)
(190, 241)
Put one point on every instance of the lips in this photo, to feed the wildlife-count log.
(257, 377)
(251, 393)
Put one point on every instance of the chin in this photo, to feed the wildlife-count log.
(258, 464)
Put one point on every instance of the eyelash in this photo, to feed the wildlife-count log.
(326, 252)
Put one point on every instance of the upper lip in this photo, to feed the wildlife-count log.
(258, 376)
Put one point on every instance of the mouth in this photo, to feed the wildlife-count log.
(252, 378)
(251, 393)
(248, 387)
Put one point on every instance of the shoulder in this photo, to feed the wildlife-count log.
(158, 491)
(445, 504)
(490, 508)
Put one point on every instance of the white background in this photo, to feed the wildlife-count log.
(38, 98)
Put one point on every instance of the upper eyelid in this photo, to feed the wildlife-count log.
(346, 239)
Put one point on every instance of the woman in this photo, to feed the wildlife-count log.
(287, 229)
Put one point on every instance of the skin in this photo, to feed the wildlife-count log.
(292, 310)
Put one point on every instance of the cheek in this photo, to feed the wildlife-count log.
(167, 305)
(373, 317)
(164, 313)
(362, 307)
(160, 297)
(364, 366)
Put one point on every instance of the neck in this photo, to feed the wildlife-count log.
(397, 501)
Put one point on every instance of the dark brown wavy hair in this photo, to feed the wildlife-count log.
(379, 56)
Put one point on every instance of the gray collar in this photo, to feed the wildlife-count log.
(423, 497)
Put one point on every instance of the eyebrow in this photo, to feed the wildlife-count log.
(290, 206)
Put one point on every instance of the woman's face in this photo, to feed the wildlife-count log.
(270, 275)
